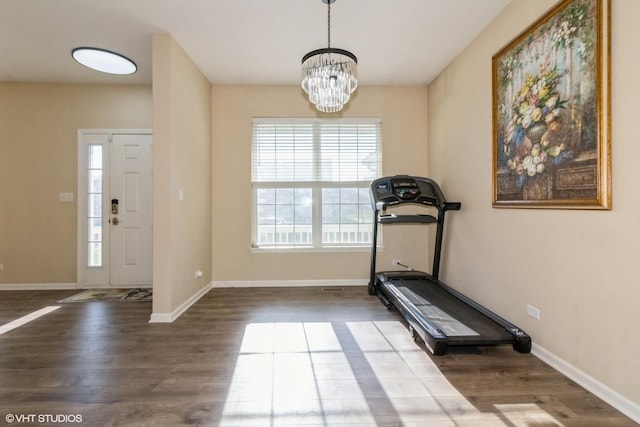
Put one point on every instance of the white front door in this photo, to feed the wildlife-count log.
(114, 208)
(130, 219)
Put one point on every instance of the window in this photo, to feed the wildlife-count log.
(94, 206)
(311, 182)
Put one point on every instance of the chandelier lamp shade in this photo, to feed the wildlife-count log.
(329, 75)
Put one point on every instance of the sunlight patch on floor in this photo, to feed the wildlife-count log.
(348, 373)
(26, 319)
(526, 414)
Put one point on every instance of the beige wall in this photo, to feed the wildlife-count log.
(38, 160)
(403, 112)
(580, 268)
(182, 164)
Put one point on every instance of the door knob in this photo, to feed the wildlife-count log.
(115, 221)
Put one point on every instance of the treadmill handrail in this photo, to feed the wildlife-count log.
(406, 219)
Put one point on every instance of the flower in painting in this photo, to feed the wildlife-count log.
(538, 100)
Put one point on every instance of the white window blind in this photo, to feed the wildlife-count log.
(311, 182)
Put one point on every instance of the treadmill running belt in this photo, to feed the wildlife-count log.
(443, 320)
(452, 316)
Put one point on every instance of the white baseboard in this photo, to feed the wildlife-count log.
(612, 397)
(288, 283)
(171, 317)
(37, 286)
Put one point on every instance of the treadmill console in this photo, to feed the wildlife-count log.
(405, 189)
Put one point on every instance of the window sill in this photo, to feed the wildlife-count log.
(329, 249)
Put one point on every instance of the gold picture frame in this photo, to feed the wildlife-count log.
(551, 111)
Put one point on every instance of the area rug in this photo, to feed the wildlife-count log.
(138, 294)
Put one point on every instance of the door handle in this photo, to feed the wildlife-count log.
(115, 221)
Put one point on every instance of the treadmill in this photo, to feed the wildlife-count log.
(437, 313)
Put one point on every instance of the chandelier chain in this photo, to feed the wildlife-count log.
(329, 24)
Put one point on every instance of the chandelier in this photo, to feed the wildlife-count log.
(329, 75)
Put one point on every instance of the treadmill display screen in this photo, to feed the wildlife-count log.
(405, 189)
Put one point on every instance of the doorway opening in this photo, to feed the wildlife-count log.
(115, 208)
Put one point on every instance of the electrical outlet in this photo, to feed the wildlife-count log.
(395, 262)
(533, 312)
(198, 274)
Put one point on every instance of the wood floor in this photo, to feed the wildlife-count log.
(266, 357)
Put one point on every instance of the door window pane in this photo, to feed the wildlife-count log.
(94, 206)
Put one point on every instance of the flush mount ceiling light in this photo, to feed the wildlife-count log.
(104, 60)
(329, 75)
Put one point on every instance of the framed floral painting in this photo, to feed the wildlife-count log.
(551, 111)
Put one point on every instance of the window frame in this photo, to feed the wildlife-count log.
(316, 187)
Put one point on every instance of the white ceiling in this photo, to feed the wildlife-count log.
(400, 42)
